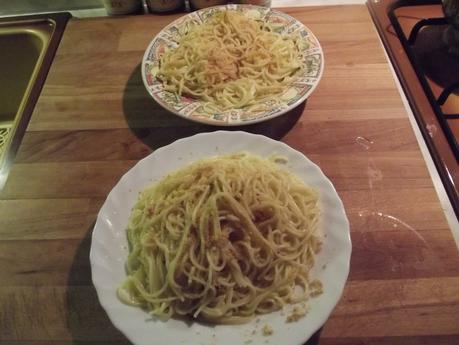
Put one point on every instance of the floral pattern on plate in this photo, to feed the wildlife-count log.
(192, 109)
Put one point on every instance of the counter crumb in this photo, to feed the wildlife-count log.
(267, 330)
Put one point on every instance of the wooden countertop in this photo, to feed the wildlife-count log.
(94, 121)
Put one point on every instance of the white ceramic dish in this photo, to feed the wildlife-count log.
(189, 108)
(109, 247)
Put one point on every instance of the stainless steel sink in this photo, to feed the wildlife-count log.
(28, 45)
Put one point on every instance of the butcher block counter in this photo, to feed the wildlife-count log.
(94, 121)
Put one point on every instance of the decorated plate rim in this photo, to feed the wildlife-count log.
(262, 116)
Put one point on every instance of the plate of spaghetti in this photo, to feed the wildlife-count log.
(232, 65)
(221, 238)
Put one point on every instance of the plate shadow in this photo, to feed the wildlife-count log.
(86, 319)
(157, 127)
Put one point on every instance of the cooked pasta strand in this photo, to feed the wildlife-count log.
(231, 61)
(222, 239)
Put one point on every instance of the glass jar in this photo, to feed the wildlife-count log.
(265, 3)
(116, 7)
(198, 4)
(161, 6)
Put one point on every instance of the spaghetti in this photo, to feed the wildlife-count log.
(231, 61)
(221, 240)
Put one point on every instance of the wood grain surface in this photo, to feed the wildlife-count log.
(94, 121)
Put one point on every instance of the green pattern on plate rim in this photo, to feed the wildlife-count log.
(193, 109)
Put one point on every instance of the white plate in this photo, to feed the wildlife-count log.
(109, 247)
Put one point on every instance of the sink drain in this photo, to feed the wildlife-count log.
(5, 131)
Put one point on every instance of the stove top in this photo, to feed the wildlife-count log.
(422, 46)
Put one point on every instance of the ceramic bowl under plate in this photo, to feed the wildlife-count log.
(192, 109)
(109, 248)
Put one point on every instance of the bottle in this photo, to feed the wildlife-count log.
(116, 7)
(161, 6)
(265, 3)
(198, 4)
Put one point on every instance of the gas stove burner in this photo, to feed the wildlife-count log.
(451, 39)
(451, 11)
(451, 34)
(434, 54)
(432, 62)
(422, 40)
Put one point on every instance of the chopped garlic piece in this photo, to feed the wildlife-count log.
(267, 330)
